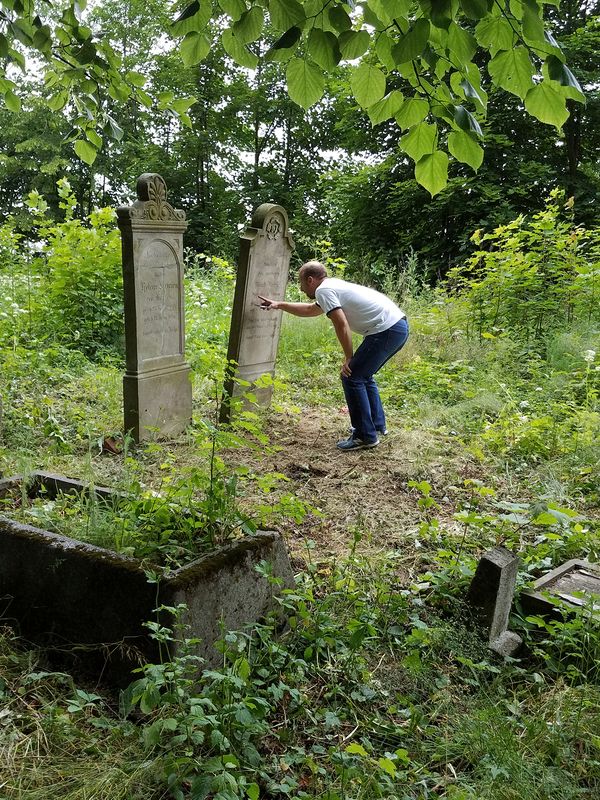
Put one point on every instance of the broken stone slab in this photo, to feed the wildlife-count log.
(491, 595)
(89, 604)
(51, 484)
(574, 584)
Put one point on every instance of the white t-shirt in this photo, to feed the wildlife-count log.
(366, 310)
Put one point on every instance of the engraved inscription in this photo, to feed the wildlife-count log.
(263, 267)
(159, 302)
(261, 330)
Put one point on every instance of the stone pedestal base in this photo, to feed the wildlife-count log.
(157, 403)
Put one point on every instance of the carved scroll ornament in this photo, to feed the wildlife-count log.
(152, 205)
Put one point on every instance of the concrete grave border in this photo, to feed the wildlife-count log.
(90, 603)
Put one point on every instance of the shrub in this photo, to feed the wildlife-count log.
(78, 295)
(528, 275)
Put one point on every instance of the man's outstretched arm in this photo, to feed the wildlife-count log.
(297, 309)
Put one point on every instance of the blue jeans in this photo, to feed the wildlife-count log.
(362, 394)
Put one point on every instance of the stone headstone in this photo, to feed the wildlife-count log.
(263, 266)
(491, 594)
(157, 393)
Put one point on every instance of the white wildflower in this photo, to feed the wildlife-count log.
(589, 356)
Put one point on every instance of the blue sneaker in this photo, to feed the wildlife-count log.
(356, 444)
(380, 431)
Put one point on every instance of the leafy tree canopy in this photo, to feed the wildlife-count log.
(423, 64)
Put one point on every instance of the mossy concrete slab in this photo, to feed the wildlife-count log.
(90, 604)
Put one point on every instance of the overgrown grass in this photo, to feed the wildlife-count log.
(61, 742)
(374, 691)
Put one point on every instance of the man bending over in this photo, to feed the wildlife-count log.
(352, 307)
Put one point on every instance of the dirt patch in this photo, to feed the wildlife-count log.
(365, 492)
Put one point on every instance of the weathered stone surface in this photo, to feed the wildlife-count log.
(576, 583)
(491, 594)
(157, 392)
(263, 266)
(61, 592)
(507, 644)
(51, 483)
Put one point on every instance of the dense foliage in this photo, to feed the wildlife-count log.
(418, 65)
(227, 137)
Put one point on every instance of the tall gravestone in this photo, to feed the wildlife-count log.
(263, 266)
(157, 393)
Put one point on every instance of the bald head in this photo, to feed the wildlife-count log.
(312, 269)
(310, 276)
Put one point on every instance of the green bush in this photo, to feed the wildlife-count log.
(531, 275)
(77, 295)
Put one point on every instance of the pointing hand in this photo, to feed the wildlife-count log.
(266, 304)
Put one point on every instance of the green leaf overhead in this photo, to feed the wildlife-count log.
(440, 11)
(513, 71)
(412, 111)
(235, 8)
(238, 51)
(475, 9)
(431, 172)
(383, 48)
(559, 72)
(85, 151)
(368, 84)
(386, 108)
(249, 26)
(354, 44)
(413, 43)
(288, 39)
(285, 14)
(547, 104)
(465, 148)
(495, 33)
(420, 140)
(389, 10)
(12, 101)
(533, 26)
(136, 78)
(339, 19)
(461, 44)
(194, 18)
(194, 48)
(465, 120)
(305, 81)
(323, 48)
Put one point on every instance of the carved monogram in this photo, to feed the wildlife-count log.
(152, 202)
(273, 228)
